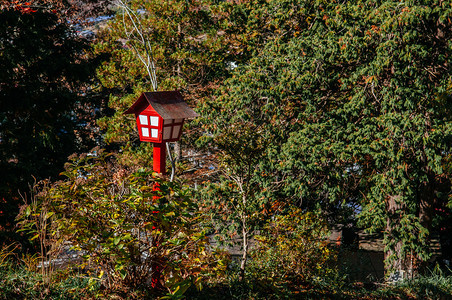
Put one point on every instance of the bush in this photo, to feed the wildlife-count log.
(128, 230)
(293, 249)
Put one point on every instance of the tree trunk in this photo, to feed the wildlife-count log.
(245, 251)
(400, 265)
(397, 266)
(244, 234)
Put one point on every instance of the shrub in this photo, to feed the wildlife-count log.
(293, 249)
(128, 229)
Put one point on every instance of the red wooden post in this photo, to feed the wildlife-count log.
(159, 164)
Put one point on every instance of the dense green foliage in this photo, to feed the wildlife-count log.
(382, 121)
(355, 97)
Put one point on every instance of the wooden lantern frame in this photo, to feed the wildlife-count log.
(160, 117)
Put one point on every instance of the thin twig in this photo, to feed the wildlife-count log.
(138, 39)
(173, 163)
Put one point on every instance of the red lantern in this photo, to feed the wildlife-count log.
(160, 117)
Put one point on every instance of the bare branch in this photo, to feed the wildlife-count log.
(136, 38)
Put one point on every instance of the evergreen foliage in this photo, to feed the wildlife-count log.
(355, 97)
(45, 71)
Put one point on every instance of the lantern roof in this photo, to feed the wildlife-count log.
(168, 104)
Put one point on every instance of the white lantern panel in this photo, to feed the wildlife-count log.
(154, 133)
(154, 121)
(166, 132)
(143, 120)
(178, 120)
(168, 121)
(176, 130)
(145, 132)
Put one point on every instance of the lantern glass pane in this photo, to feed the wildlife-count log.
(154, 133)
(176, 130)
(154, 121)
(145, 132)
(167, 132)
(178, 120)
(168, 121)
(143, 120)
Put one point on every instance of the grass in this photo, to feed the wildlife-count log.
(19, 279)
(17, 282)
(435, 285)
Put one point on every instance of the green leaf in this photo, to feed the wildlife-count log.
(35, 237)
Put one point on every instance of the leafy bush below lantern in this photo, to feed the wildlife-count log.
(125, 227)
